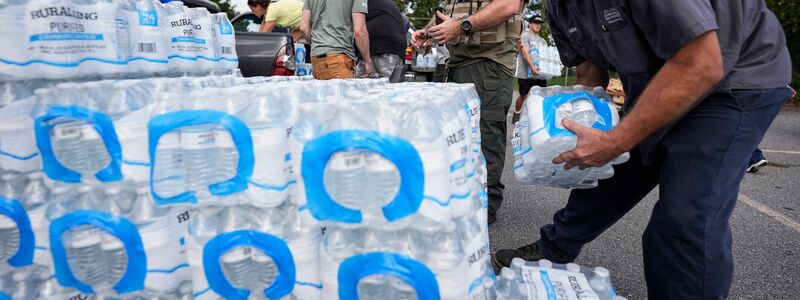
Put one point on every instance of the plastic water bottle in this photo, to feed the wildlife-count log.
(115, 259)
(236, 266)
(9, 185)
(421, 61)
(267, 120)
(488, 286)
(339, 243)
(427, 137)
(383, 181)
(9, 238)
(25, 285)
(148, 47)
(85, 255)
(113, 197)
(344, 178)
(432, 59)
(144, 212)
(197, 149)
(583, 112)
(79, 147)
(226, 42)
(516, 265)
(49, 288)
(180, 34)
(226, 156)
(35, 194)
(601, 283)
(67, 146)
(373, 287)
(169, 177)
(444, 249)
(205, 41)
(401, 290)
(264, 270)
(508, 287)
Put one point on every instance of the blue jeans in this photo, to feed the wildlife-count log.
(700, 163)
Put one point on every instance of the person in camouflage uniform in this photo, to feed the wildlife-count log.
(481, 36)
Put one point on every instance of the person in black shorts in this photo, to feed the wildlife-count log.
(527, 71)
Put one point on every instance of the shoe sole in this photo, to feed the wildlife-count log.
(755, 167)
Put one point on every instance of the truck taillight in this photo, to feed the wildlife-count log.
(409, 53)
(284, 64)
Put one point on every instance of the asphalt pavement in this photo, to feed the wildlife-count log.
(766, 224)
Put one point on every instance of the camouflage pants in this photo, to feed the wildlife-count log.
(495, 89)
(384, 66)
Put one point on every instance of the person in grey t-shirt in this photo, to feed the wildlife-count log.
(704, 79)
(529, 39)
(332, 26)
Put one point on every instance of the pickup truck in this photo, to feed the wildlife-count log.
(260, 53)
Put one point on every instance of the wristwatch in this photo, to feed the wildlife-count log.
(466, 26)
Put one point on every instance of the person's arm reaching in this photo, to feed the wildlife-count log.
(305, 25)
(362, 40)
(668, 97)
(267, 26)
(493, 14)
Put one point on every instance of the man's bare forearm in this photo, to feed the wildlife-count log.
(362, 41)
(495, 13)
(362, 35)
(305, 25)
(527, 56)
(676, 88)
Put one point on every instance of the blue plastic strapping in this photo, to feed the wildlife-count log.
(105, 128)
(270, 245)
(121, 228)
(318, 152)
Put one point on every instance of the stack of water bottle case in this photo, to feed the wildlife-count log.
(546, 59)
(539, 135)
(218, 186)
(56, 39)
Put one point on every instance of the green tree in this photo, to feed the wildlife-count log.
(419, 12)
(788, 12)
(227, 7)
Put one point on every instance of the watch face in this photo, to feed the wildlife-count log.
(466, 25)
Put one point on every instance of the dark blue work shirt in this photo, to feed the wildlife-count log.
(636, 37)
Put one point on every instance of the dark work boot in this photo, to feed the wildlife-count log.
(502, 258)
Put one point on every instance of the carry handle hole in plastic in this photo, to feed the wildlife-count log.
(385, 198)
(401, 153)
(14, 210)
(414, 273)
(121, 228)
(163, 124)
(100, 122)
(270, 245)
(551, 104)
